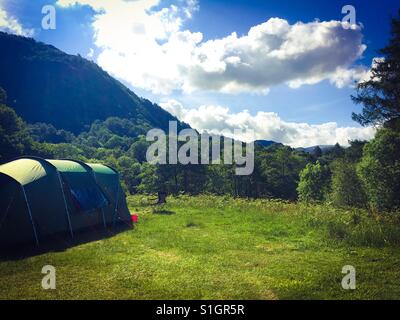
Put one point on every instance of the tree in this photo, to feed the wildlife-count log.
(66, 150)
(355, 151)
(314, 182)
(317, 152)
(44, 132)
(139, 148)
(3, 96)
(336, 152)
(220, 179)
(380, 95)
(347, 188)
(130, 171)
(379, 169)
(156, 179)
(14, 136)
(115, 142)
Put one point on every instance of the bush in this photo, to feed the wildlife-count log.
(380, 170)
(347, 189)
(314, 182)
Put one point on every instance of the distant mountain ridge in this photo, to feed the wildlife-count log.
(268, 143)
(264, 143)
(324, 148)
(44, 84)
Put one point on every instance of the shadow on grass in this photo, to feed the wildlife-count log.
(163, 212)
(61, 242)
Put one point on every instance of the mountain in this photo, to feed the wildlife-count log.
(324, 148)
(44, 84)
(264, 143)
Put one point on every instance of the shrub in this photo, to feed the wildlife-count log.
(347, 189)
(380, 170)
(314, 182)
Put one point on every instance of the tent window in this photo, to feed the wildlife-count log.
(87, 199)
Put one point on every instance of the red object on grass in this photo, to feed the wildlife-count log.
(135, 218)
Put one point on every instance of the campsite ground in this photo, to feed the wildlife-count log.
(222, 248)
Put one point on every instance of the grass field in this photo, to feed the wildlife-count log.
(222, 248)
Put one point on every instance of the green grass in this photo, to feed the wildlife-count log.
(222, 248)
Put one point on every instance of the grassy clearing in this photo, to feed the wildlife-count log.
(209, 247)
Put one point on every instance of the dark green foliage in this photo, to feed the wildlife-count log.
(279, 171)
(220, 180)
(336, 152)
(380, 170)
(317, 152)
(355, 151)
(139, 148)
(380, 95)
(14, 137)
(129, 170)
(44, 132)
(314, 182)
(347, 188)
(156, 179)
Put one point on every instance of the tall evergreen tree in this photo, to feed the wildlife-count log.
(3, 96)
(380, 95)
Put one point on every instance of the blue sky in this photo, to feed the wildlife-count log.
(187, 62)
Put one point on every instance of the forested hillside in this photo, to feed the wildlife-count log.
(44, 84)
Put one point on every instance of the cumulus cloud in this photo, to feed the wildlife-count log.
(368, 76)
(12, 25)
(90, 53)
(147, 45)
(266, 126)
(139, 44)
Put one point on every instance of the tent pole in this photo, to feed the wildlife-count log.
(30, 215)
(6, 214)
(116, 203)
(65, 203)
(104, 218)
(102, 209)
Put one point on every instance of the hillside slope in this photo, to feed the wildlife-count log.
(44, 84)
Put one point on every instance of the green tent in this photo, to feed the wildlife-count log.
(108, 180)
(39, 198)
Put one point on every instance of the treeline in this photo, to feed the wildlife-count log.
(121, 143)
(362, 175)
(367, 177)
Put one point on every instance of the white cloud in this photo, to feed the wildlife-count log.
(142, 46)
(368, 75)
(90, 54)
(148, 47)
(12, 25)
(267, 126)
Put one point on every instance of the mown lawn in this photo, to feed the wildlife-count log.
(222, 248)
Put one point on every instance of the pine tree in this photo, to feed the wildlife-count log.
(3, 96)
(380, 95)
